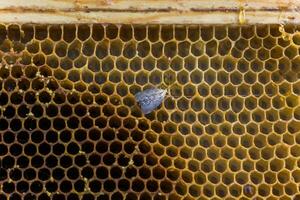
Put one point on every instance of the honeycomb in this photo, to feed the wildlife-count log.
(71, 129)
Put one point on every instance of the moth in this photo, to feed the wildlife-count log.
(150, 99)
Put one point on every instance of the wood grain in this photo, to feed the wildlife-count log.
(151, 11)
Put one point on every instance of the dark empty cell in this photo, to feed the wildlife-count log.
(94, 88)
(58, 173)
(97, 32)
(44, 196)
(17, 71)
(30, 124)
(101, 122)
(183, 77)
(44, 123)
(61, 49)
(29, 174)
(4, 72)
(211, 48)
(94, 64)
(22, 186)
(57, 196)
(88, 48)
(130, 50)
(47, 47)
(37, 136)
(123, 184)
(44, 148)
(102, 49)
(184, 48)
(189, 63)
(52, 61)
(58, 149)
(137, 185)
(153, 33)
(36, 186)
(224, 47)
(9, 85)
(22, 161)
(9, 112)
(8, 187)
(111, 31)
(130, 172)
(66, 63)
(126, 33)
(108, 88)
(39, 60)
(217, 90)
(37, 110)
(156, 50)
(144, 172)
(116, 196)
(80, 135)
(37, 161)
(66, 110)
(15, 174)
(149, 63)
(44, 174)
(30, 149)
(41, 32)
(44, 97)
(100, 77)
(73, 172)
(74, 50)
(230, 116)
(15, 98)
(102, 147)
(3, 33)
(3, 99)
(80, 110)
(13, 32)
(51, 110)
(52, 85)
(109, 159)
(102, 172)
(94, 134)
(170, 49)
(31, 71)
(6, 46)
(236, 78)
(15, 124)
(59, 124)
(15, 149)
(51, 161)
(116, 172)
(116, 147)
(83, 32)
(88, 197)
(87, 122)
(73, 148)
(29, 196)
(87, 172)
(109, 185)
(116, 47)
(143, 48)
(65, 186)
(69, 32)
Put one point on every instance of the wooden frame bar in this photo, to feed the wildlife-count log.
(151, 11)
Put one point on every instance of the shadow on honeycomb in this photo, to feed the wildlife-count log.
(70, 127)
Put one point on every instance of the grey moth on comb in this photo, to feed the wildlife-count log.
(150, 99)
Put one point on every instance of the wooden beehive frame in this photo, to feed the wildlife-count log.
(151, 11)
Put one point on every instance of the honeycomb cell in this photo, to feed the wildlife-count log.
(227, 129)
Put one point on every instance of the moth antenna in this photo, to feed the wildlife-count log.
(169, 85)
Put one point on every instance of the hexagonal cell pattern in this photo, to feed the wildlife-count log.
(70, 128)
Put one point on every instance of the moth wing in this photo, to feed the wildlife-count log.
(157, 100)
